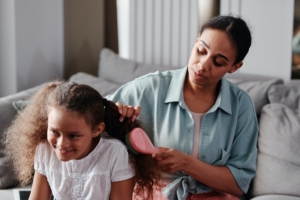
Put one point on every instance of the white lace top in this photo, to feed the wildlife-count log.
(88, 178)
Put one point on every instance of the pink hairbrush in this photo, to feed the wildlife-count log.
(138, 142)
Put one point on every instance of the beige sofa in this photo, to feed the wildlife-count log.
(277, 106)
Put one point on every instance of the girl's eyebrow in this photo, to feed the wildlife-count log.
(221, 55)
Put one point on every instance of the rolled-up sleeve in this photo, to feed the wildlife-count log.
(242, 160)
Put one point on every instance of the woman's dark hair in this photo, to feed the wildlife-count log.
(237, 31)
(88, 103)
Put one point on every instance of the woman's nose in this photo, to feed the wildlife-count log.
(203, 64)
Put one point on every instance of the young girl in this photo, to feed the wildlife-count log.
(67, 132)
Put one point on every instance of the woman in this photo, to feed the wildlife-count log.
(206, 126)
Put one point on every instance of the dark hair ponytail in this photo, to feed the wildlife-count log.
(147, 175)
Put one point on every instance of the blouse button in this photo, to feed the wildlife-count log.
(203, 156)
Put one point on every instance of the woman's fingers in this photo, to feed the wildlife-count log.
(161, 153)
(169, 160)
(136, 113)
(128, 111)
(120, 108)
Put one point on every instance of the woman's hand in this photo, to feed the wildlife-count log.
(170, 160)
(128, 111)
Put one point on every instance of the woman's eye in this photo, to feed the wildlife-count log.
(200, 51)
(218, 64)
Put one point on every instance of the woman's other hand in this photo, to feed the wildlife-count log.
(128, 111)
(170, 160)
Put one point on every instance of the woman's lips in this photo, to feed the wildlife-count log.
(199, 76)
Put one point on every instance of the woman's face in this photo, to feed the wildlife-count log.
(69, 134)
(213, 55)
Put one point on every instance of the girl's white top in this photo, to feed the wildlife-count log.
(89, 177)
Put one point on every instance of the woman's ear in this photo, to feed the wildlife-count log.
(99, 129)
(235, 67)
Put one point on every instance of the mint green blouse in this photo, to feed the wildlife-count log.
(228, 133)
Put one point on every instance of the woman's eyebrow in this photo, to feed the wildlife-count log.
(221, 55)
(204, 43)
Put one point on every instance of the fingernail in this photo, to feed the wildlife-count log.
(133, 118)
(121, 119)
(121, 111)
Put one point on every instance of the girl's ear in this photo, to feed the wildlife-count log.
(235, 67)
(99, 129)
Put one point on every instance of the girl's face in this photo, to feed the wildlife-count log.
(213, 55)
(69, 134)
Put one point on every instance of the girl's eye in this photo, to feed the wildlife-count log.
(54, 132)
(74, 136)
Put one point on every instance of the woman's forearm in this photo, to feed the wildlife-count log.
(217, 177)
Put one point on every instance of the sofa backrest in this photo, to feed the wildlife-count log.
(278, 163)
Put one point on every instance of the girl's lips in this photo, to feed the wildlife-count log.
(62, 151)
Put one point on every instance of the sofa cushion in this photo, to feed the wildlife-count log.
(276, 197)
(118, 70)
(278, 163)
(102, 86)
(288, 94)
(256, 86)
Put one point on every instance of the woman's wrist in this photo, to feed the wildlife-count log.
(187, 164)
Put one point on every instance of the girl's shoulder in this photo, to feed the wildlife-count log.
(111, 143)
(43, 156)
(43, 148)
(111, 146)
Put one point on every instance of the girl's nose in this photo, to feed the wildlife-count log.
(62, 142)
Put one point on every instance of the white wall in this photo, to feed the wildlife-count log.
(271, 22)
(39, 41)
(31, 48)
(8, 76)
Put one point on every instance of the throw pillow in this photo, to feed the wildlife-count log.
(118, 70)
(20, 104)
(278, 164)
(256, 86)
(288, 94)
(102, 86)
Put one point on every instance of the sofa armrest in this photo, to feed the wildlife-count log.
(7, 113)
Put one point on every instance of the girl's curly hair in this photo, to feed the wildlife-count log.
(29, 128)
